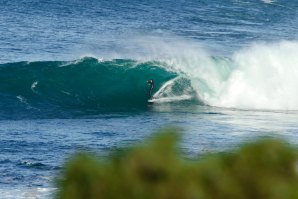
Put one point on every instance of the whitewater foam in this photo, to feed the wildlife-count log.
(33, 86)
(266, 78)
(261, 76)
(165, 88)
(268, 1)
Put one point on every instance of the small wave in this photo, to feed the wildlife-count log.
(35, 165)
(30, 164)
(268, 1)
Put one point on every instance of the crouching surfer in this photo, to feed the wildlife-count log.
(151, 83)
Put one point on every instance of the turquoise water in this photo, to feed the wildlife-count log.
(73, 78)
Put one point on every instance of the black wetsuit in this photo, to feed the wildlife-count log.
(151, 82)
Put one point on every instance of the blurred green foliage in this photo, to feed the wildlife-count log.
(266, 169)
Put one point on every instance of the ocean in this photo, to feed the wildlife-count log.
(73, 78)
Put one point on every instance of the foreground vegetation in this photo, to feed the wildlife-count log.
(266, 169)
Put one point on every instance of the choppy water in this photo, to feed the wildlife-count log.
(73, 77)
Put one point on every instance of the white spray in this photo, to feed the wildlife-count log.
(263, 76)
(266, 78)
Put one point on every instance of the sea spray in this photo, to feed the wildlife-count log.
(262, 76)
(266, 77)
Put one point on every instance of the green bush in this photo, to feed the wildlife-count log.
(265, 169)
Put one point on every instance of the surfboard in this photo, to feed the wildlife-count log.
(169, 99)
(150, 101)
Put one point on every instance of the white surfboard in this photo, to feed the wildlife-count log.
(169, 99)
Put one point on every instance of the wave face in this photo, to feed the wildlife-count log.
(84, 85)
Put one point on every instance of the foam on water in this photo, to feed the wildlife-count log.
(266, 77)
(262, 76)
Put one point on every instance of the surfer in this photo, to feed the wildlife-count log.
(151, 82)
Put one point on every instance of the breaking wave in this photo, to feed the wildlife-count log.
(259, 77)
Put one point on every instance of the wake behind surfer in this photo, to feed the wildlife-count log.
(151, 82)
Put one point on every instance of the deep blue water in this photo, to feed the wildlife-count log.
(73, 77)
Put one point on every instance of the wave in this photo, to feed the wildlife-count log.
(263, 76)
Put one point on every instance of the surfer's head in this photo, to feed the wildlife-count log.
(150, 81)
